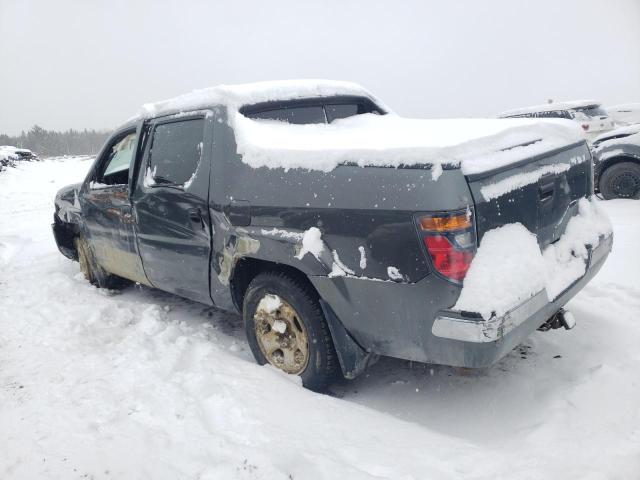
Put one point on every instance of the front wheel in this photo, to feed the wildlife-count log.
(93, 272)
(286, 328)
(621, 180)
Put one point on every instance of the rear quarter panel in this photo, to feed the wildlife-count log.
(357, 209)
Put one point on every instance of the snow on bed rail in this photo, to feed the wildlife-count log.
(520, 180)
(477, 145)
(509, 267)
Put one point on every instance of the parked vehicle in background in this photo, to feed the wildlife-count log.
(339, 230)
(616, 160)
(589, 114)
(17, 153)
(9, 155)
(625, 114)
(619, 132)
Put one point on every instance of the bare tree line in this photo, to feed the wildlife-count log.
(47, 143)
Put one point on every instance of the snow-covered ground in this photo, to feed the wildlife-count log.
(142, 384)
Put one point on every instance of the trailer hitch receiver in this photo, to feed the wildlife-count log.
(561, 319)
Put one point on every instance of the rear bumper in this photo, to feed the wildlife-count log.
(475, 342)
(410, 321)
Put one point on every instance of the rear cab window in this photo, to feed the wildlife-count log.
(175, 152)
(310, 111)
(295, 115)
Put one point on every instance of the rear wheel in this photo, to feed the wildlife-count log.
(621, 180)
(93, 272)
(286, 328)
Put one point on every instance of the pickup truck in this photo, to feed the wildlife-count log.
(340, 231)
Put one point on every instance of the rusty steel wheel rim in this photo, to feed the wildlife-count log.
(281, 334)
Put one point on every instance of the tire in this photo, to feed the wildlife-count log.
(302, 315)
(621, 180)
(93, 272)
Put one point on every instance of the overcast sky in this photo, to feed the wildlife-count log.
(76, 64)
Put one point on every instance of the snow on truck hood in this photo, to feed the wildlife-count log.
(476, 145)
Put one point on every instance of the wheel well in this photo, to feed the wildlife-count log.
(613, 161)
(65, 234)
(246, 269)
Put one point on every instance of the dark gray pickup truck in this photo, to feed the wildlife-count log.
(208, 196)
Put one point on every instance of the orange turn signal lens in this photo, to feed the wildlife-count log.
(445, 224)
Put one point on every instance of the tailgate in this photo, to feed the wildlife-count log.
(541, 192)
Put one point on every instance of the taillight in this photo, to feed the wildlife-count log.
(450, 240)
(585, 126)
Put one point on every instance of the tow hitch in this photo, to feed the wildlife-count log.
(562, 318)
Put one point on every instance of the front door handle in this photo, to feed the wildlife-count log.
(195, 215)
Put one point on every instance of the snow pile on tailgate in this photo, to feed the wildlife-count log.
(509, 267)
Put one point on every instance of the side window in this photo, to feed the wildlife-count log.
(350, 109)
(552, 114)
(334, 112)
(296, 115)
(116, 169)
(176, 148)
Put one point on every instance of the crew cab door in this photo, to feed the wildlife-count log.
(170, 201)
(106, 207)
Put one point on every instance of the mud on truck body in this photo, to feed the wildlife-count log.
(336, 245)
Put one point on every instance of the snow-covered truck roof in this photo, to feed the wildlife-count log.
(237, 96)
(476, 145)
(551, 107)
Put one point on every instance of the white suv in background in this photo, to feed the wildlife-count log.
(593, 119)
(626, 114)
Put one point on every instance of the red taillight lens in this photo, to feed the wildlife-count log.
(585, 127)
(451, 242)
(449, 261)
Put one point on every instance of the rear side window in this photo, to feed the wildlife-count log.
(176, 149)
(296, 115)
(547, 114)
(335, 112)
(553, 114)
